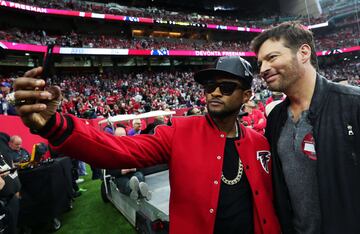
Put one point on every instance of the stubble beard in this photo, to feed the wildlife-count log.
(287, 78)
(222, 113)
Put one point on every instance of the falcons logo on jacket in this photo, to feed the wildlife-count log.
(264, 157)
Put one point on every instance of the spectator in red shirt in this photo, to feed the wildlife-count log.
(255, 118)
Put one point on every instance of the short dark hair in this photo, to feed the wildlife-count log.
(191, 111)
(120, 125)
(294, 35)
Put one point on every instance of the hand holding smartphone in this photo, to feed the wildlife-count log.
(34, 106)
(9, 171)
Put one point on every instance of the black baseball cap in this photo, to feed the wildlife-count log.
(233, 66)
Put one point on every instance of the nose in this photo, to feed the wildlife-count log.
(216, 92)
(264, 68)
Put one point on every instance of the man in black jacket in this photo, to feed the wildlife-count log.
(314, 135)
(17, 153)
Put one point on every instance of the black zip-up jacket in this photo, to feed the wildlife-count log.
(335, 116)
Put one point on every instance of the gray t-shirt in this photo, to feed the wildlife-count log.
(300, 174)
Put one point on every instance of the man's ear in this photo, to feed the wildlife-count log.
(246, 95)
(304, 53)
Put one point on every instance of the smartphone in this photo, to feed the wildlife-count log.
(48, 62)
(11, 170)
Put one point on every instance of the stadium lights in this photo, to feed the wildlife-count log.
(165, 34)
(175, 34)
(136, 32)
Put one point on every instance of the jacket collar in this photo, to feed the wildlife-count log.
(210, 121)
(212, 124)
(319, 97)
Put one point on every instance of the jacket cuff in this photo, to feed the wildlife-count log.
(57, 129)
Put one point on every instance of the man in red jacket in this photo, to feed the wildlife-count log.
(220, 174)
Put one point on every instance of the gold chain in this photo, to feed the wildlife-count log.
(237, 178)
(240, 169)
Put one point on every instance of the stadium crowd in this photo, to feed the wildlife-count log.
(111, 93)
(345, 38)
(167, 15)
(101, 41)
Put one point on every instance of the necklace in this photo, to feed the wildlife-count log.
(239, 172)
(237, 130)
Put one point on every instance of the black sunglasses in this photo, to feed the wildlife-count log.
(226, 88)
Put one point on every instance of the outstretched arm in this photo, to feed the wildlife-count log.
(34, 103)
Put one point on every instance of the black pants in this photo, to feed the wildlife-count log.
(9, 215)
(96, 173)
(75, 174)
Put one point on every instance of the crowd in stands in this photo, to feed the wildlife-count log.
(102, 41)
(349, 71)
(338, 7)
(111, 93)
(167, 15)
(344, 38)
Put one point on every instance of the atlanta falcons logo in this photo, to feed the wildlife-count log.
(264, 158)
